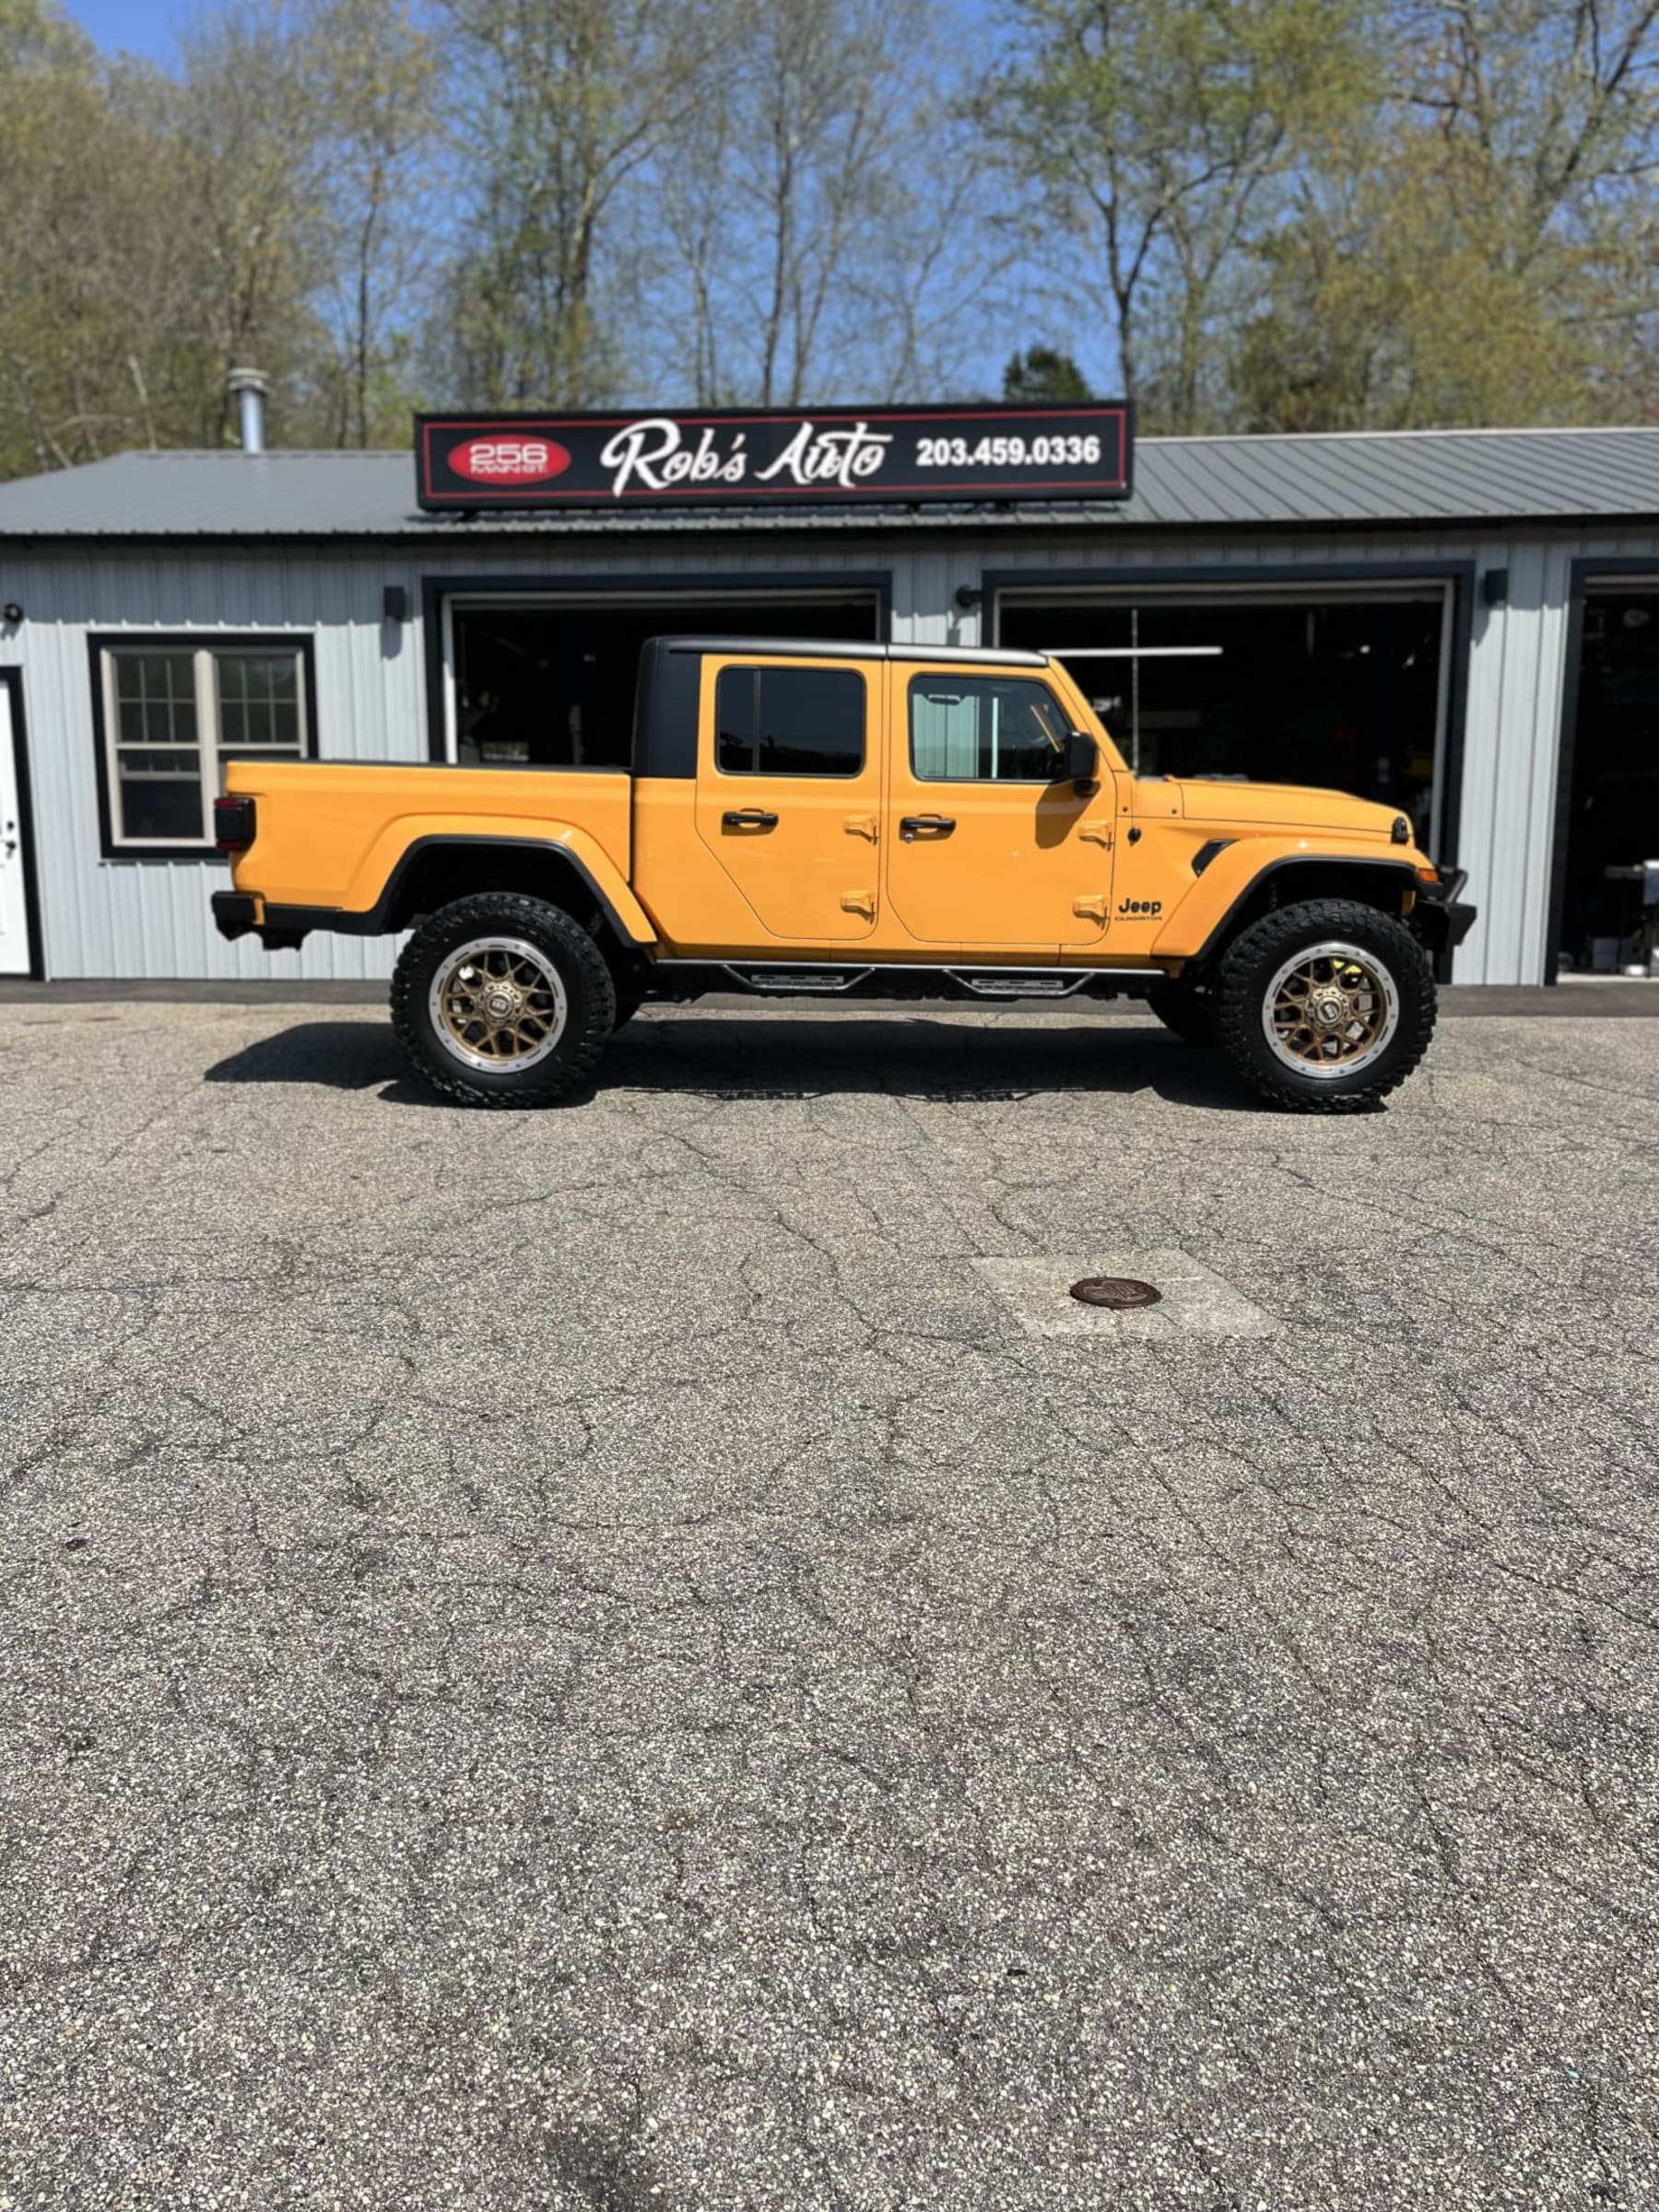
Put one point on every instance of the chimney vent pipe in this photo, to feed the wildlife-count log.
(249, 388)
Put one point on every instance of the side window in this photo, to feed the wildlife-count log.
(982, 729)
(789, 721)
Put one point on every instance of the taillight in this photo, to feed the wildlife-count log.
(233, 824)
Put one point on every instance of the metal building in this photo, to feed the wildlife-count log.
(1466, 624)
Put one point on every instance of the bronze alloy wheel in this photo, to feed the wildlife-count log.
(497, 1003)
(1330, 1010)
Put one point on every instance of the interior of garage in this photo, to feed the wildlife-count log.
(1612, 822)
(549, 682)
(1345, 692)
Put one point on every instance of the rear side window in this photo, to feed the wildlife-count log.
(789, 721)
(982, 729)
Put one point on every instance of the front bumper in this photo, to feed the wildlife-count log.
(1442, 915)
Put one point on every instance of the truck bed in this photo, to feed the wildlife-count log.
(329, 832)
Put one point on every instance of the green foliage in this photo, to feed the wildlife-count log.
(1403, 301)
(1481, 253)
(1161, 140)
(166, 230)
(1043, 374)
(1312, 213)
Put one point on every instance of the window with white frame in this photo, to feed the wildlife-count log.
(173, 714)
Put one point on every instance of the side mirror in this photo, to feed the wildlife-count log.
(1079, 758)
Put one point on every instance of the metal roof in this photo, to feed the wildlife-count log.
(1335, 481)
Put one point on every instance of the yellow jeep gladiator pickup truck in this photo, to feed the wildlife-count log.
(878, 820)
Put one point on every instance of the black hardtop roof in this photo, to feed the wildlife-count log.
(665, 708)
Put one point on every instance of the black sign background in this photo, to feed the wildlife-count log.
(739, 457)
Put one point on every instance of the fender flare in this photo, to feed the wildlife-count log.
(1253, 875)
(572, 847)
(577, 848)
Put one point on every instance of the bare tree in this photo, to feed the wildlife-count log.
(252, 179)
(370, 74)
(1156, 139)
(567, 103)
(815, 215)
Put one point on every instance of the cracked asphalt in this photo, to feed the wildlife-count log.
(585, 1660)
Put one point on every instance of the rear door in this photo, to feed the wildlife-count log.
(984, 850)
(789, 791)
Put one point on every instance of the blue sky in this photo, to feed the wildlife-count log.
(140, 25)
(146, 26)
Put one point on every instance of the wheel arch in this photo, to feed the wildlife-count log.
(1379, 883)
(435, 870)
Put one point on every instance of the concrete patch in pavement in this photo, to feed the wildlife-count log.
(1195, 1302)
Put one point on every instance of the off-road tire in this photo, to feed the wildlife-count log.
(566, 949)
(1187, 1013)
(1260, 953)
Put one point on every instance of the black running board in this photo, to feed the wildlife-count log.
(893, 978)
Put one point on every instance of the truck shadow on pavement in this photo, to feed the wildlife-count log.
(760, 1056)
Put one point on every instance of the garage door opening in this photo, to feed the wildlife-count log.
(1344, 689)
(540, 681)
(1612, 801)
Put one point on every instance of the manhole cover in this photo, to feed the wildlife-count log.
(1121, 1292)
(1152, 1293)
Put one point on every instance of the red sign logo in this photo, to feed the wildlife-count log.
(508, 460)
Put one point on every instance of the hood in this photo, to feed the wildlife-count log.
(1265, 806)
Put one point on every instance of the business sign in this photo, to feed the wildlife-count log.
(832, 456)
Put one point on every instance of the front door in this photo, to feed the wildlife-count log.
(789, 791)
(984, 850)
(14, 907)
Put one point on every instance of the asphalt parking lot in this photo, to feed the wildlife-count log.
(594, 1660)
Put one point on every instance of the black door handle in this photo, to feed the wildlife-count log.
(748, 818)
(910, 826)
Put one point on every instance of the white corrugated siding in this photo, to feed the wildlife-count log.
(150, 918)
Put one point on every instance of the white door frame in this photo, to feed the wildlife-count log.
(19, 952)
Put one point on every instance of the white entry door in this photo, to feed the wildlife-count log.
(14, 907)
